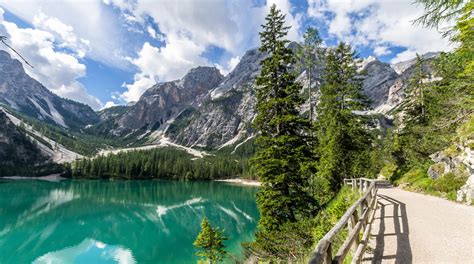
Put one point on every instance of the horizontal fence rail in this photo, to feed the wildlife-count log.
(358, 219)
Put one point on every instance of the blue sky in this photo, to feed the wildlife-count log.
(108, 52)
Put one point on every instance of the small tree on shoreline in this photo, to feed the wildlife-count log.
(210, 243)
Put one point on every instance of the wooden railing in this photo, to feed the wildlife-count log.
(358, 219)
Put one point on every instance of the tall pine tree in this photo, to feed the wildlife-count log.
(309, 56)
(415, 109)
(281, 141)
(343, 140)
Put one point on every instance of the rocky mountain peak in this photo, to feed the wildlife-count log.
(10, 65)
(402, 66)
(245, 72)
(28, 96)
(201, 75)
(378, 80)
(164, 101)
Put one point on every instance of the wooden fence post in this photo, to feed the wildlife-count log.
(356, 219)
(328, 259)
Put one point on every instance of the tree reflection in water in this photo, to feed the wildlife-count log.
(152, 220)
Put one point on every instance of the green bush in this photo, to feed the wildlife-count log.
(294, 242)
(417, 178)
(291, 244)
(446, 186)
(451, 151)
(438, 167)
(448, 183)
(329, 216)
(388, 170)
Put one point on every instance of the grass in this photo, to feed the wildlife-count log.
(331, 214)
(388, 170)
(446, 186)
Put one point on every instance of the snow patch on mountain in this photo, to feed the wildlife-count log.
(57, 117)
(162, 142)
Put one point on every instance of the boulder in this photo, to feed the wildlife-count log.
(436, 170)
(466, 193)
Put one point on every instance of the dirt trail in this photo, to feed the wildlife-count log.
(415, 228)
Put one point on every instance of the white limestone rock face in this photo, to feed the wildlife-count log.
(165, 101)
(206, 109)
(458, 159)
(226, 114)
(466, 193)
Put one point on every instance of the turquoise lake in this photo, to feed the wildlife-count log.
(92, 221)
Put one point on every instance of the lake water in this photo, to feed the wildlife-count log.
(91, 221)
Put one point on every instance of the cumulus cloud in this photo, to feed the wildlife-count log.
(404, 56)
(169, 62)
(381, 50)
(230, 65)
(140, 84)
(91, 20)
(62, 32)
(152, 32)
(108, 104)
(378, 24)
(189, 28)
(58, 71)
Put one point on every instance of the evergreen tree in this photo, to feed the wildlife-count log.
(343, 140)
(439, 11)
(309, 56)
(210, 243)
(414, 107)
(282, 143)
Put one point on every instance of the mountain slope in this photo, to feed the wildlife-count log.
(225, 116)
(15, 147)
(24, 94)
(162, 103)
(217, 111)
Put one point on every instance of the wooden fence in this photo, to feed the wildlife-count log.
(358, 219)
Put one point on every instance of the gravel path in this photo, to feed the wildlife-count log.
(415, 228)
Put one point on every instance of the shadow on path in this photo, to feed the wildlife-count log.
(391, 219)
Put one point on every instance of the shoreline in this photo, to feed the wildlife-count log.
(57, 177)
(51, 178)
(241, 182)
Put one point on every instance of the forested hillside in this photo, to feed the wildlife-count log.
(161, 163)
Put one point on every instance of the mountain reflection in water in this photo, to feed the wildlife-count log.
(82, 221)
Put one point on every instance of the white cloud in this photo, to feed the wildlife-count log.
(58, 71)
(291, 20)
(317, 8)
(404, 56)
(108, 104)
(230, 65)
(137, 88)
(378, 24)
(63, 33)
(1, 14)
(190, 27)
(381, 50)
(169, 62)
(151, 31)
(91, 20)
